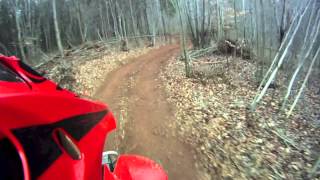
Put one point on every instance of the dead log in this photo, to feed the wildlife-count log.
(233, 47)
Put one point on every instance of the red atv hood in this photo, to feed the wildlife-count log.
(33, 108)
(47, 132)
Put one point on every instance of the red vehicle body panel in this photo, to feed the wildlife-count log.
(34, 109)
(137, 167)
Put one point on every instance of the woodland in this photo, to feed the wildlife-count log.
(245, 84)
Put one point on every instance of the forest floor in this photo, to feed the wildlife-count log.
(232, 142)
(197, 128)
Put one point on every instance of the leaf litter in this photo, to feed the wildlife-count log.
(231, 141)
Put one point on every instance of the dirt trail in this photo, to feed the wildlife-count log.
(135, 95)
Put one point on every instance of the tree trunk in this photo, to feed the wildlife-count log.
(197, 25)
(145, 14)
(164, 25)
(56, 28)
(262, 47)
(282, 25)
(203, 33)
(218, 21)
(183, 41)
(133, 22)
(245, 19)
(20, 43)
(235, 19)
(79, 19)
(102, 22)
(108, 20)
(114, 20)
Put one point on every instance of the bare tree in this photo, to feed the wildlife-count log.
(56, 28)
(280, 57)
(20, 42)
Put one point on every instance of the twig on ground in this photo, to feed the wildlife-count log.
(285, 139)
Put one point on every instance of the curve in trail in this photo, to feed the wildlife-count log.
(135, 95)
